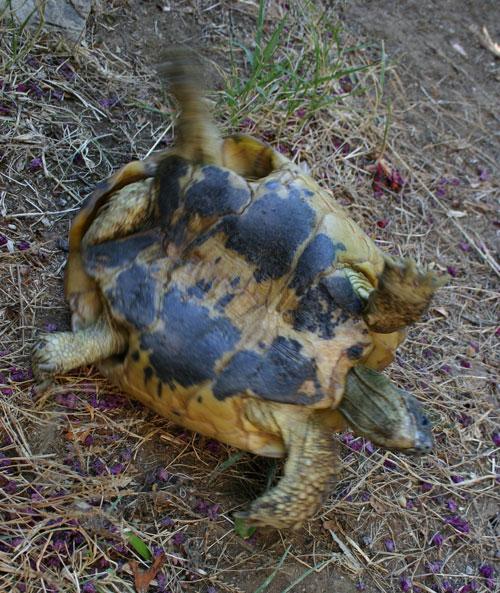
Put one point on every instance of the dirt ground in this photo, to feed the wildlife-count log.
(82, 469)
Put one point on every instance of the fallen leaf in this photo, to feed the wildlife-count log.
(71, 435)
(458, 48)
(486, 40)
(375, 504)
(159, 105)
(142, 580)
(333, 525)
(442, 311)
(242, 529)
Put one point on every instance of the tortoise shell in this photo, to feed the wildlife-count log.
(234, 286)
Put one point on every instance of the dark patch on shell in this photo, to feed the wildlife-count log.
(217, 193)
(118, 253)
(343, 294)
(277, 375)
(148, 373)
(317, 257)
(269, 232)
(133, 296)
(199, 289)
(318, 313)
(191, 341)
(355, 352)
(224, 301)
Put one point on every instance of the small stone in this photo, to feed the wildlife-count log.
(402, 501)
(68, 17)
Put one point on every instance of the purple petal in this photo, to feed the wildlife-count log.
(23, 245)
(356, 445)
(426, 486)
(437, 540)
(457, 479)
(496, 439)
(369, 447)
(99, 467)
(458, 523)
(483, 174)
(451, 504)
(35, 164)
(389, 545)
(452, 271)
(213, 447)
(465, 246)
(167, 522)
(116, 469)
(464, 420)
(486, 571)
(179, 539)
(465, 364)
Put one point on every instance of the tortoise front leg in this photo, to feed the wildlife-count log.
(312, 462)
(61, 352)
(403, 294)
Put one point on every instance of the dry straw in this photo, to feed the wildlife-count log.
(90, 482)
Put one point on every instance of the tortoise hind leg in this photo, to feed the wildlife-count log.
(403, 294)
(311, 464)
(121, 214)
(124, 213)
(63, 351)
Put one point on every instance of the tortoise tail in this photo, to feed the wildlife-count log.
(197, 137)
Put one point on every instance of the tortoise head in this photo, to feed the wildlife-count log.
(390, 417)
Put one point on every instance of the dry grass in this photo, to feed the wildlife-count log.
(82, 470)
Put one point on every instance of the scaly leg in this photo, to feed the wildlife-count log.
(61, 352)
(403, 294)
(311, 464)
(123, 213)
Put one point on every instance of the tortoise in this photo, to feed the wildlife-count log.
(220, 285)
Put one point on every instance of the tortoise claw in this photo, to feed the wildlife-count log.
(403, 294)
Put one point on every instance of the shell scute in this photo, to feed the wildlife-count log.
(188, 340)
(270, 231)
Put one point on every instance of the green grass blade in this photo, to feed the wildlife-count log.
(274, 573)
